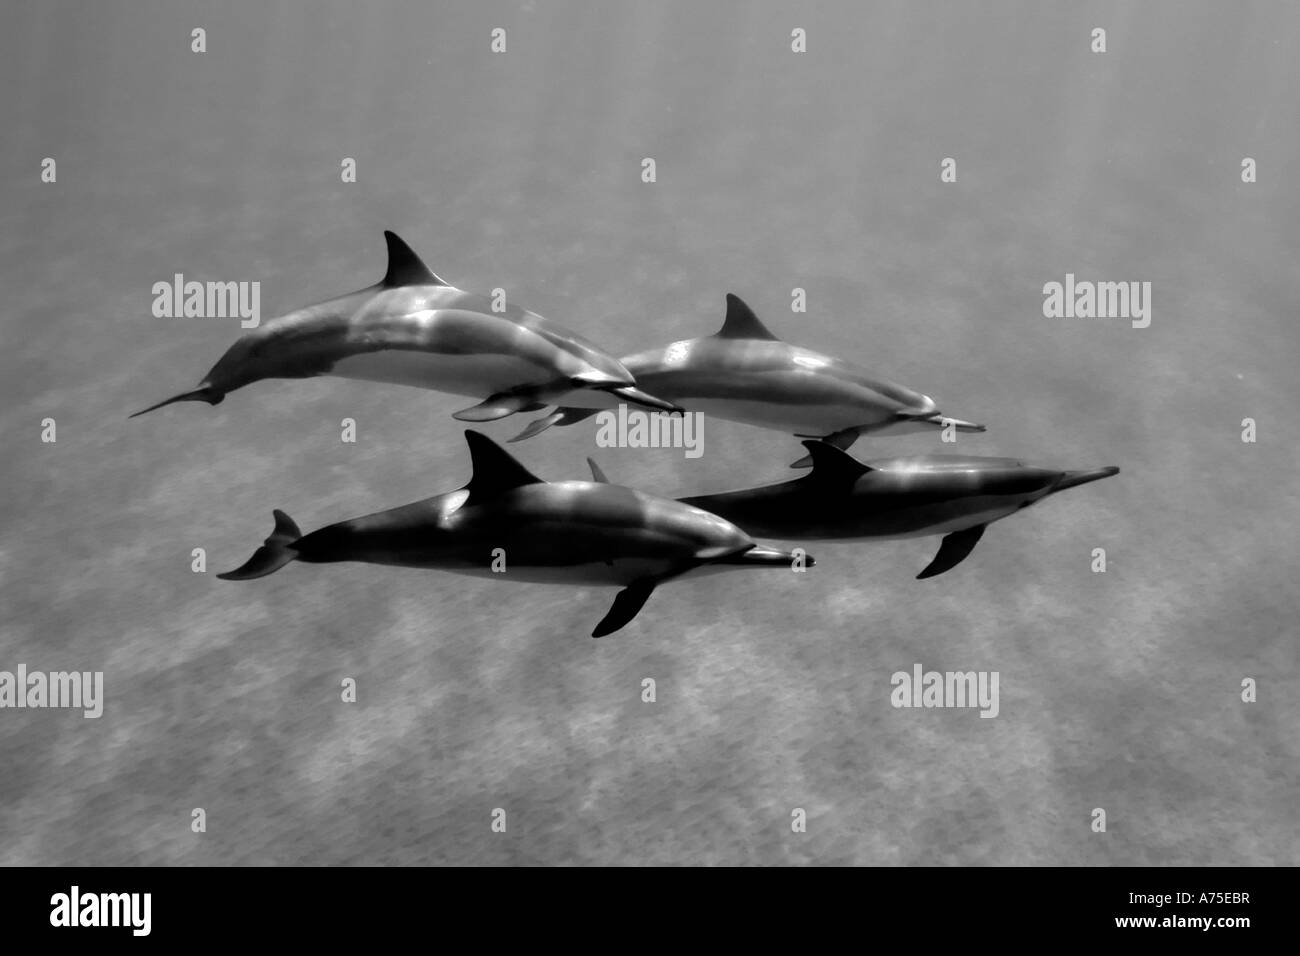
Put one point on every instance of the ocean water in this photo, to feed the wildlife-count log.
(775, 170)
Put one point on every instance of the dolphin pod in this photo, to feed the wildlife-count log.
(744, 373)
(573, 532)
(412, 328)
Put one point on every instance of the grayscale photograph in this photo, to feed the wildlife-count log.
(557, 433)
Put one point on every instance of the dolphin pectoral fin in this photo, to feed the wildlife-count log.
(539, 425)
(206, 394)
(597, 473)
(842, 439)
(274, 553)
(561, 416)
(953, 551)
(574, 415)
(626, 606)
(494, 407)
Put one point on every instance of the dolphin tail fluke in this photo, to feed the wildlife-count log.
(274, 553)
(626, 606)
(953, 551)
(1073, 479)
(206, 394)
(842, 439)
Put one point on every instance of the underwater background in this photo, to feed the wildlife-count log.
(775, 170)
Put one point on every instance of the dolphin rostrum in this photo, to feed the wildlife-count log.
(894, 498)
(412, 328)
(746, 374)
(509, 523)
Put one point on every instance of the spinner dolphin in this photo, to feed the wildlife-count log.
(412, 328)
(575, 532)
(894, 498)
(746, 374)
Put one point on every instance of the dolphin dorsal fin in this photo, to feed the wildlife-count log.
(404, 266)
(741, 322)
(833, 464)
(495, 469)
(597, 473)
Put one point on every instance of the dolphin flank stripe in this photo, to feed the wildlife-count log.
(449, 332)
(793, 387)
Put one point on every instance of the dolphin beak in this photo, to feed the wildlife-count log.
(645, 399)
(205, 394)
(940, 420)
(768, 556)
(1072, 479)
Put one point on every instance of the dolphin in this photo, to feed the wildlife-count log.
(843, 498)
(744, 373)
(576, 532)
(412, 328)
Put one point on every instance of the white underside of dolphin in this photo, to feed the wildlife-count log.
(744, 373)
(412, 328)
